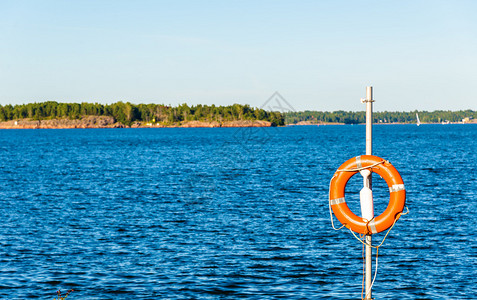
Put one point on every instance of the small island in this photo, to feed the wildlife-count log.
(54, 115)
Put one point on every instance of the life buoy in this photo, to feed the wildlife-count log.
(394, 181)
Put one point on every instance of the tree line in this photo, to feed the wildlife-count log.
(127, 113)
(349, 117)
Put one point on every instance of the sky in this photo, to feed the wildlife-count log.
(318, 55)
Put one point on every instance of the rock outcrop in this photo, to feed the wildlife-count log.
(86, 122)
(109, 122)
(213, 124)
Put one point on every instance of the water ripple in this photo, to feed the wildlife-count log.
(229, 213)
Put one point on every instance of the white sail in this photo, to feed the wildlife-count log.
(418, 121)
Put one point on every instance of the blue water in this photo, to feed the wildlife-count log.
(230, 213)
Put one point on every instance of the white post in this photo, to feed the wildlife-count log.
(367, 184)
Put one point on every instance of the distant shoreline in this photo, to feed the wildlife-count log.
(473, 121)
(51, 114)
(109, 122)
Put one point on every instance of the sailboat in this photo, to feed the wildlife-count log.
(418, 121)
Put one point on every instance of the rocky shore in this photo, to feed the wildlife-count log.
(109, 122)
(308, 123)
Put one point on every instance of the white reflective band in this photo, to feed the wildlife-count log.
(396, 188)
(358, 162)
(372, 226)
(337, 201)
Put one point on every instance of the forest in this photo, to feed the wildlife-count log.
(127, 113)
(349, 117)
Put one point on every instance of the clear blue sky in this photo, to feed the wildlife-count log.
(319, 55)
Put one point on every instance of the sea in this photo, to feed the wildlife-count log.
(231, 213)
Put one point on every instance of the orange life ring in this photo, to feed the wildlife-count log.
(394, 181)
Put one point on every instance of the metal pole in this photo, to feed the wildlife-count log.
(369, 149)
(369, 120)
